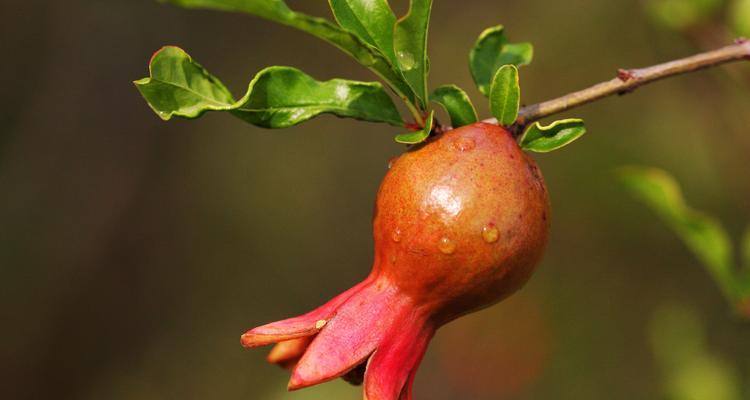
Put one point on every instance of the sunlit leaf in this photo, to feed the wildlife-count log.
(410, 44)
(740, 15)
(371, 20)
(457, 103)
(179, 86)
(707, 376)
(688, 367)
(702, 234)
(277, 97)
(491, 51)
(681, 14)
(505, 95)
(278, 11)
(420, 135)
(543, 139)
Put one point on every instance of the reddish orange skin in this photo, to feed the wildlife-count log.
(466, 180)
(460, 223)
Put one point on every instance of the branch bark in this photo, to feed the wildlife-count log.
(628, 80)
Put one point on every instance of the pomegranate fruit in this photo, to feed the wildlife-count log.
(460, 223)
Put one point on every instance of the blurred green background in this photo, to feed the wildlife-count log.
(134, 252)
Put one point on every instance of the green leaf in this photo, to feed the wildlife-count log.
(681, 14)
(457, 103)
(505, 95)
(702, 234)
(179, 86)
(275, 10)
(371, 20)
(543, 139)
(410, 44)
(707, 376)
(278, 11)
(491, 51)
(418, 136)
(278, 97)
(740, 15)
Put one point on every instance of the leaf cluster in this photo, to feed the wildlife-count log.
(394, 48)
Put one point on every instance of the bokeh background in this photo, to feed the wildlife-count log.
(134, 252)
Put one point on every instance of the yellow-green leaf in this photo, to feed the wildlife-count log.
(681, 14)
(543, 139)
(275, 10)
(420, 135)
(410, 44)
(740, 16)
(349, 43)
(457, 103)
(371, 20)
(701, 233)
(491, 51)
(505, 95)
(278, 97)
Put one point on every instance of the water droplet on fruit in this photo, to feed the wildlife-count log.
(490, 234)
(465, 144)
(396, 235)
(320, 324)
(406, 60)
(446, 246)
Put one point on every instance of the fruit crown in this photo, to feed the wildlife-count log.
(395, 49)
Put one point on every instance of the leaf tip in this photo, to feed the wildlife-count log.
(490, 31)
(419, 136)
(168, 49)
(141, 82)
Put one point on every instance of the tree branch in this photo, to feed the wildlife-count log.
(628, 80)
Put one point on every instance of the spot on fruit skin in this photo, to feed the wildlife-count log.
(320, 324)
(464, 144)
(490, 234)
(446, 246)
(396, 235)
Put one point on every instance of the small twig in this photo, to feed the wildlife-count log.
(627, 80)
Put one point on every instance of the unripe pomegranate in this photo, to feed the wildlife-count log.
(460, 223)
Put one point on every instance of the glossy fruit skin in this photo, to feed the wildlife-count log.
(460, 188)
(460, 223)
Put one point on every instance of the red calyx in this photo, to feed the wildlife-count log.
(459, 224)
